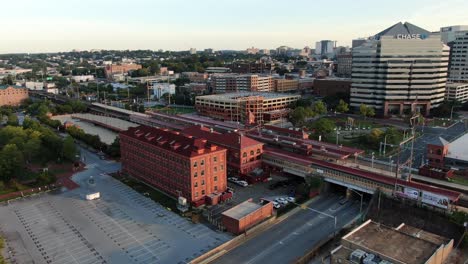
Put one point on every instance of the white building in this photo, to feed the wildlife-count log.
(459, 58)
(83, 78)
(159, 89)
(34, 85)
(193, 51)
(400, 70)
(457, 92)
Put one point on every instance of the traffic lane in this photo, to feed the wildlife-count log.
(252, 247)
(304, 238)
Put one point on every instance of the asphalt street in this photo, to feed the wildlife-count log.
(295, 236)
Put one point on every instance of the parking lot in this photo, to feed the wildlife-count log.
(255, 191)
(121, 227)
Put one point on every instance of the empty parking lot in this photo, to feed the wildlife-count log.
(121, 227)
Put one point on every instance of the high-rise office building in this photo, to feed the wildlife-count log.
(324, 47)
(448, 34)
(458, 69)
(400, 70)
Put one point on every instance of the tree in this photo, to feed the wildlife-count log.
(366, 111)
(375, 136)
(393, 136)
(31, 148)
(69, 150)
(320, 108)
(298, 116)
(114, 148)
(12, 120)
(342, 106)
(11, 162)
(323, 126)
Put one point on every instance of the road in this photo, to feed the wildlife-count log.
(295, 236)
(429, 134)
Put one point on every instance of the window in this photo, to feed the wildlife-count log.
(251, 153)
(203, 192)
(215, 159)
(196, 194)
(258, 151)
(202, 182)
(196, 184)
(222, 167)
(244, 155)
(195, 164)
(215, 178)
(202, 173)
(195, 175)
(215, 169)
(202, 162)
(216, 188)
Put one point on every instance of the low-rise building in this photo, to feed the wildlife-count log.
(327, 87)
(176, 164)
(12, 95)
(196, 88)
(196, 77)
(245, 215)
(123, 68)
(229, 83)
(285, 85)
(246, 107)
(372, 242)
(243, 153)
(83, 78)
(457, 92)
(159, 89)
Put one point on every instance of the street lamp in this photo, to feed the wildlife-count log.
(337, 133)
(385, 145)
(390, 162)
(361, 195)
(373, 156)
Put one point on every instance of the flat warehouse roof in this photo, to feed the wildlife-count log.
(392, 243)
(458, 149)
(242, 210)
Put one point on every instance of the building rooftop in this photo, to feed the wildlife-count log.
(230, 140)
(458, 149)
(173, 141)
(242, 95)
(3, 87)
(439, 141)
(391, 243)
(242, 210)
(424, 235)
(404, 29)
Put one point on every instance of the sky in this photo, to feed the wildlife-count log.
(62, 25)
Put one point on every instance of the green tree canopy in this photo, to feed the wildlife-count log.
(342, 106)
(320, 108)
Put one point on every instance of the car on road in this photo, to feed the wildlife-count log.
(291, 199)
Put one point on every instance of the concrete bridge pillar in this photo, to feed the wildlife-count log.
(349, 193)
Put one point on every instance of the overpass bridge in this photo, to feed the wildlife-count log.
(359, 180)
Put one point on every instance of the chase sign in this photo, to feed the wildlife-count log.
(411, 36)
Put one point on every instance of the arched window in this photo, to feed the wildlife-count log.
(258, 151)
(252, 153)
(244, 155)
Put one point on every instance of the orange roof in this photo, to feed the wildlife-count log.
(173, 141)
(230, 140)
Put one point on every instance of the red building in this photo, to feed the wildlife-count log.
(436, 152)
(245, 215)
(178, 165)
(12, 95)
(244, 154)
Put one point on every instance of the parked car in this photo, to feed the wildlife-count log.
(291, 199)
(284, 202)
(233, 179)
(242, 183)
(276, 205)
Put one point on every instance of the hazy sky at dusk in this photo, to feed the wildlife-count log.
(62, 25)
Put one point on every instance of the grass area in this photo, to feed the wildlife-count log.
(340, 121)
(441, 122)
(459, 180)
(173, 110)
(2, 245)
(154, 194)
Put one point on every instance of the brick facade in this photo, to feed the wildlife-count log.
(12, 95)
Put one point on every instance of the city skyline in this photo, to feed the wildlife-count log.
(54, 26)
